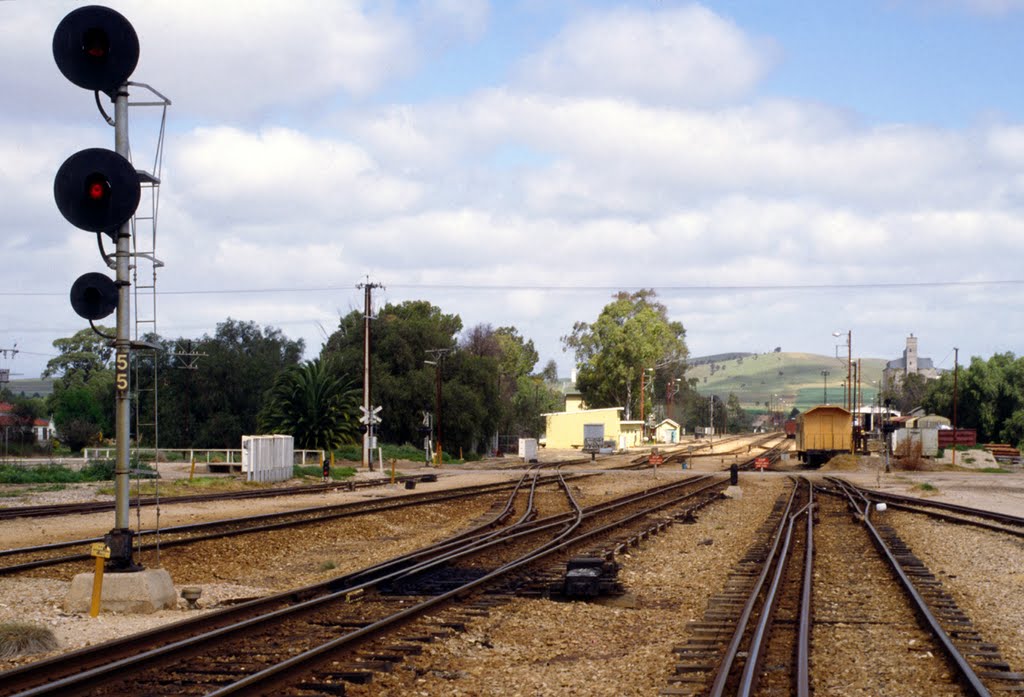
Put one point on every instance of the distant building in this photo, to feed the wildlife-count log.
(911, 364)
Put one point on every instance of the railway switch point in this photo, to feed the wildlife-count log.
(139, 593)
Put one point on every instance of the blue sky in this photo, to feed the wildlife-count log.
(776, 170)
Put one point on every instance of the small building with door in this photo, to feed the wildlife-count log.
(667, 431)
(564, 429)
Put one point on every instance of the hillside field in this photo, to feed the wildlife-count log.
(794, 379)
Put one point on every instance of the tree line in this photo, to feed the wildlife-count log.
(245, 379)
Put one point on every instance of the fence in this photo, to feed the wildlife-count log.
(208, 455)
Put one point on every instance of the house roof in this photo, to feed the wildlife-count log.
(668, 421)
(583, 411)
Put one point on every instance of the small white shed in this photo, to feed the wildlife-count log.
(667, 431)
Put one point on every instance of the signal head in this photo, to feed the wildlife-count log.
(96, 48)
(97, 190)
(93, 296)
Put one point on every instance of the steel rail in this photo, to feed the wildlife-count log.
(102, 671)
(732, 652)
(968, 677)
(285, 519)
(803, 653)
(269, 678)
(287, 598)
(759, 639)
(912, 504)
(86, 507)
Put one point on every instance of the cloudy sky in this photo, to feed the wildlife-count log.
(776, 171)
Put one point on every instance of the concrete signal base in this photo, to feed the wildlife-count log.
(139, 593)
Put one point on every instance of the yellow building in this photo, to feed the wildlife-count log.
(564, 429)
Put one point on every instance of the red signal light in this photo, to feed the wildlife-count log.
(97, 188)
(95, 43)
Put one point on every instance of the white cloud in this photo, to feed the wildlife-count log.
(281, 175)
(225, 59)
(682, 55)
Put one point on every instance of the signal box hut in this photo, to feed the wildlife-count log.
(823, 432)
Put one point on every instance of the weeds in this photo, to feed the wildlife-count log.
(926, 486)
(328, 566)
(23, 639)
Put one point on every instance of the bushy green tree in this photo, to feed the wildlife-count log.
(632, 334)
(82, 402)
(990, 398)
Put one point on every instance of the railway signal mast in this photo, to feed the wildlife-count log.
(99, 190)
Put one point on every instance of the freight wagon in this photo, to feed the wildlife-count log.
(790, 428)
(823, 432)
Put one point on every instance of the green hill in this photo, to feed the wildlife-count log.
(794, 379)
(34, 387)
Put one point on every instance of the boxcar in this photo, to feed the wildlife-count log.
(790, 428)
(823, 432)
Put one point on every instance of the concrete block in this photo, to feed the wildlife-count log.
(142, 592)
(733, 492)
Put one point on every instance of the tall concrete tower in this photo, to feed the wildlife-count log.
(910, 355)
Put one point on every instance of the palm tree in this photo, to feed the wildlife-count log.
(315, 403)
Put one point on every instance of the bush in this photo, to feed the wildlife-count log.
(38, 474)
(23, 639)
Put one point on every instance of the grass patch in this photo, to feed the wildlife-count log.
(354, 453)
(994, 470)
(328, 566)
(25, 639)
(184, 487)
(926, 486)
(316, 472)
(11, 493)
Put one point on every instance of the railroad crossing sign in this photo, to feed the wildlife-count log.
(761, 463)
(370, 417)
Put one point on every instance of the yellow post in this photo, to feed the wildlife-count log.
(101, 552)
(192, 470)
(392, 470)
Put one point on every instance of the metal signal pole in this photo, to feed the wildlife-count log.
(368, 306)
(120, 538)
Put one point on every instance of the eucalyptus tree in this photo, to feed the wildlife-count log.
(632, 343)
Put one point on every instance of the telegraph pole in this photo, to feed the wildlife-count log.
(367, 407)
(437, 355)
(956, 371)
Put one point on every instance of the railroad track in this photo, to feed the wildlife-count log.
(311, 640)
(83, 507)
(727, 647)
(940, 510)
(763, 634)
(16, 560)
(977, 664)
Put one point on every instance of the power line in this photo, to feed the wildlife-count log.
(475, 288)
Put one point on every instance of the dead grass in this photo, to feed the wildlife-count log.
(24, 639)
(843, 463)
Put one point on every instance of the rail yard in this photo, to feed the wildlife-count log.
(611, 577)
